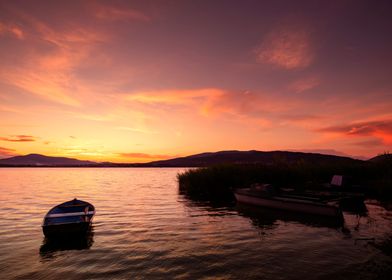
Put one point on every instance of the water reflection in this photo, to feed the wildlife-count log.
(51, 245)
(264, 217)
(385, 246)
(354, 207)
(267, 218)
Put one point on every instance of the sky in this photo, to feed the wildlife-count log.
(137, 81)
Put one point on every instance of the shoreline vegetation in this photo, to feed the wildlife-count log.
(217, 182)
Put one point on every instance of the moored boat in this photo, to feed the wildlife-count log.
(266, 196)
(73, 217)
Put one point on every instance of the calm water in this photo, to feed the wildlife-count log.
(145, 229)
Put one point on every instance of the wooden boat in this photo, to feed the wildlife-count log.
(73, 217)
(266, 196)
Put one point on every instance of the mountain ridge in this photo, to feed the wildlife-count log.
(196, 160)
(42, 160)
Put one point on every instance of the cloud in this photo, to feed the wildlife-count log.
(304, 84)
(5, 152)
(369, 143)
(94, 116)
(144, 156)
(19, 138)
(175, 96)
(381, 129)
(136, 129)
(47, 62)
(301, 119)
(12, 30)
(10, 109)
(110, 13)
(286, 47)
(208, 101)
(244, 104)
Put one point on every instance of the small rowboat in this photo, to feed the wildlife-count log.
(73, 217)
(266, 196)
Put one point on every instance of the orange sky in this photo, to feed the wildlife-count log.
(136, 81)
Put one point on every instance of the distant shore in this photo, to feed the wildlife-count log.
(93, 166)
(197, 160)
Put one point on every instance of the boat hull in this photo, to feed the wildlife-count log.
(71, 229)
(289, 205)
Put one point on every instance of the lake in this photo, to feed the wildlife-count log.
(145, 229)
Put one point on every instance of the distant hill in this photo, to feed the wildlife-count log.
(245, 157)
(382, 158)
(198, 160)
(41, 160)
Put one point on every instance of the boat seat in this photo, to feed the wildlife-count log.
(70, 214)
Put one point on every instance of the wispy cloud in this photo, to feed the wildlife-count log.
(304, 84)
(12, 30)
(144, 156)
(46, 68)
(10, 109)
(174, 96)
(5, 152)
(369, 143)
(19, 138)
(381, 129)
(111, 13)
(207, 101)
(239, 103)
(302, 119)
(94, 116)
(136, 129)
(286, 47)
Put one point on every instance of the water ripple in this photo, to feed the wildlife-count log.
(145, 229)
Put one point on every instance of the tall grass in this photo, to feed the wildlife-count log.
(216, 182)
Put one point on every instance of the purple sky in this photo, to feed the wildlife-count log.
(135, 80)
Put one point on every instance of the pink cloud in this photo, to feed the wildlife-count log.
(305, 84)
(19, 138)
(286, 47)
(214, 102)
(374, 142)
(175, 96)
(5, 152)
(380, 129)
(49, 74)
(144, 156)
(245, 103)
(111, 13)
(11, 29)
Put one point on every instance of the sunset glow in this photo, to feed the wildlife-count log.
(137, 81)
